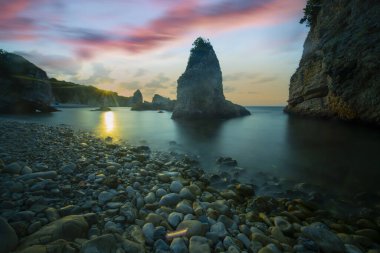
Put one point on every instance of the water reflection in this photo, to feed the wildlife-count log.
(108, 125)
(336, 155)
(200, 138)
(109, 121)
(332, 154)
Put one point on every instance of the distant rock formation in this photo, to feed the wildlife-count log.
(338, 75)
(102, 109)
(200, 88)
(24, 87)
(158, 103)
(163, 103)
(137, 98)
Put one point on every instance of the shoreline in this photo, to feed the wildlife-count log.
(130, 197)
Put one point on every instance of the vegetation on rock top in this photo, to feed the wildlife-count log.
(310, 12)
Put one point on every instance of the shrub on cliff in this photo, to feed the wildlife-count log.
(310, 12)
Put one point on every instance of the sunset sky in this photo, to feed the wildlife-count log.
(124, 45)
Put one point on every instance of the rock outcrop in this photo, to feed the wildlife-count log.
(24, 87)
(338, 75)
(200, 88)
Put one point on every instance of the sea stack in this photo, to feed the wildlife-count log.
(200, 87)
(137, 98)
(338, 75)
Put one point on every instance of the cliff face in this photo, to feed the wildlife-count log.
(67, 92)
(24, 87)
(338, 75)
(200, 88)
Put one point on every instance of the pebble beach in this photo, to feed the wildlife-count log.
(69, 191)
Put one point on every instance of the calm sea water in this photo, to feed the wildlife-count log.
(335, 155)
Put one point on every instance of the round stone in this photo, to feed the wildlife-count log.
(194, 227)
(178, 245)
(219, 229)
(150, 198)
(184, 207)
(176, 186)
(170, 200)
(175, 218)
(160, 192)
(148, 231)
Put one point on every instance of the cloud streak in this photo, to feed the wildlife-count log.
(14, 25)
(180, 18)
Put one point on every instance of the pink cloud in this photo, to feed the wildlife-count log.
(187, 16)
(180, 19)
(14, 26)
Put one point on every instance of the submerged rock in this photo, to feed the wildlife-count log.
(200, 88)
(102, 109)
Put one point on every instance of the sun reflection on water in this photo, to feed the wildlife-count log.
(109, 122)
(108, 125)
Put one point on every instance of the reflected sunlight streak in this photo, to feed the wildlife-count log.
(109, 122)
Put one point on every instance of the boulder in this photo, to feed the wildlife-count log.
(67, 228)
(199, 244)
(58, 246)
(326, 240)
(8, 237)
(103, 244)
(200, 88)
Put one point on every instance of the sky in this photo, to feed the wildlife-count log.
(124, 45)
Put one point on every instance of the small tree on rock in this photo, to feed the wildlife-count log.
(311, 12)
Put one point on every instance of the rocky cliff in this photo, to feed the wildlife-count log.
(72, 93)
(24, 87)
(338, 75)
(200, 87)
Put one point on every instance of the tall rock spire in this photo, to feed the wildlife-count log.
(200, 87)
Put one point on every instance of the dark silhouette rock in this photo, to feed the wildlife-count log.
(25, 88)
(200, 88)
(338, 75)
